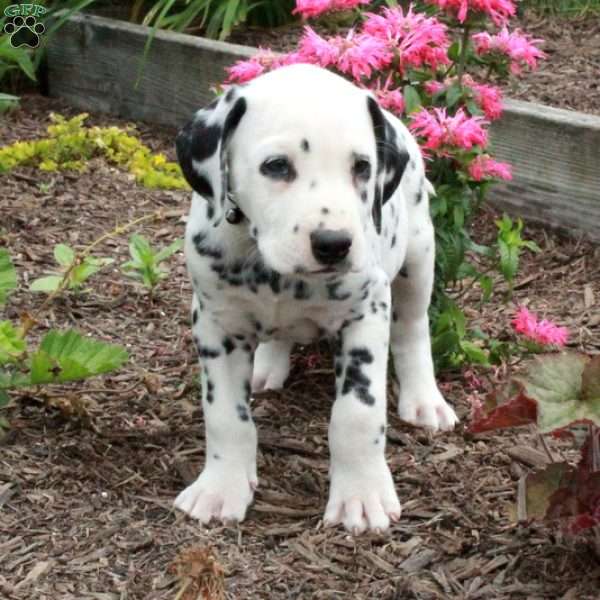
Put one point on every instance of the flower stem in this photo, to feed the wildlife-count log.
(462, 59)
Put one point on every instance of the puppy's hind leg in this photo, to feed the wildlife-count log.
(271, 365)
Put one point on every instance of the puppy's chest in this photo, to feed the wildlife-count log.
(267, 305)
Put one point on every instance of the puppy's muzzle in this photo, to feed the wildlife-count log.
(330, 246)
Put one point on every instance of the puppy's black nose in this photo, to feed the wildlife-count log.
(330, 246)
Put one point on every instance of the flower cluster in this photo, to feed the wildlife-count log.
(543, 332)
(485, 167)
(520, 49)
(314, 8)
(442, 133)
(500, 11)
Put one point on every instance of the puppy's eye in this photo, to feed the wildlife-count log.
(278, 167)
(362, 169)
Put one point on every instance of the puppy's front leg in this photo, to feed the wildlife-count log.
(225, 488)
(362, 494)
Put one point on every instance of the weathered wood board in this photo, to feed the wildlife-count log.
(555, 155)
(93, 62)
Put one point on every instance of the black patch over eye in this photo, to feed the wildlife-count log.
(361, 169)
(279, 168)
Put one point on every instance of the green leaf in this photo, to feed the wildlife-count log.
(12, 344)
(454, 51)
(555, 382)
(70, 356)
(8, 276)
(169, 250)
(590, 381)
(412, 100)
(4, 399)
(140, 249)
(64, 255)
(453, 94)
(46, 284)
(474, 353)
(509, 260)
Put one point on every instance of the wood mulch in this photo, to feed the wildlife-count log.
(88, 471)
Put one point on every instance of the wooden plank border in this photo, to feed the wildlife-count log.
(93, 63)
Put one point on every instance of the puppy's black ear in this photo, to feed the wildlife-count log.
(391, 159)
(202, 144)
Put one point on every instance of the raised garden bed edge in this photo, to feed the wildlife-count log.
(93, 62)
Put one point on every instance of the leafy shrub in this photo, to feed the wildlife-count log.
(70, 145)
(145, 261)
(432, 69)
(74, 273)
(60, 356)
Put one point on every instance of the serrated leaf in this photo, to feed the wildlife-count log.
(12, 344)
(540, 486)
(140, 249)
(169, 250)
(555, 383)
(46, 284)
(69, 356)
(8, 275)
(64, 255)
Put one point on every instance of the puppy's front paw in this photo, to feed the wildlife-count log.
(424, 406)
(223, 494)
(362, 498)
(271, 365)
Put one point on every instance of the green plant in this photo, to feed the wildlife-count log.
(60, 356)
(75, 273)
(70, 145)
(145, 263)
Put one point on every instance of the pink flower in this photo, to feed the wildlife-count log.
(418, 40)
(316, 50)
(244, 70)
(543, 332)
(433, 87)
(499, 10)
(489, 98)
(314, 8)
(443, 133)
(520, 49)
(361, 54)
(392, 99)
(483, 167)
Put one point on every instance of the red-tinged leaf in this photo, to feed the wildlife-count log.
(555, 382)
(540, 486)
(581, 523)
(578, 494)
(506, 408)
(590, 452)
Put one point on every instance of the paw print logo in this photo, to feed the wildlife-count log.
(24, 31)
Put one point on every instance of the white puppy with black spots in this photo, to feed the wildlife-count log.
(309, 219)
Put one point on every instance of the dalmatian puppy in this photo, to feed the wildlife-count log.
(309, 219)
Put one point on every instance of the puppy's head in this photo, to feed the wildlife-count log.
(308, 158)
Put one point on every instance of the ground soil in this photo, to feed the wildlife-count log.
(88, 472)
(569, 78)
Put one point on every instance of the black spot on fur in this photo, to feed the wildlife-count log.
(324, 211)
(404, 271)
(194, 317)
(247, 391)
(210, 387)
(204, 249)
(355, 380)
(382, 429)
(394, 316)
(208, 352)
(363, 196)
(313, 185)
(229, 96)
(305, 145)
(338, 369)
(242, 412)
(210, 211)
(296, 228)
(373, 307)
(239, 336)
(275, 282)
(301, 291)
(333, 292)
(393, 243)
(228, 345)
(216, 457)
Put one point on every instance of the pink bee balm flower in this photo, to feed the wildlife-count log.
(316, 50)
(543, 332)
(361, 54)
(483, 167)
(392, 99)
(442, 131)
(489, 98)
(433, 87)
(520, 49)
(417, 40)
(499, 11)
(244, 70)
(314, 8)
